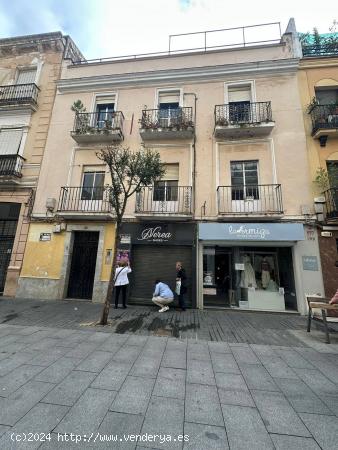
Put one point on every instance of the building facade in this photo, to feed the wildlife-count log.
(233, 205)
(318, 81)
(29, 68)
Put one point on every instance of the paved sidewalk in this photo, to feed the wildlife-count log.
(219, 395)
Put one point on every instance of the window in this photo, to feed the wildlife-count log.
(167, 188)
(104, 114)
(26, 76)
(10, 141)
(169, 106)
(244, 180)
(239, 98)
(332, 170)
(92, 186)
(327, 96)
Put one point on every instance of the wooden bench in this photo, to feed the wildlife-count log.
(322, 303)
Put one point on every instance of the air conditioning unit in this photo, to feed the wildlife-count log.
(326, 234)
(50, 204)
(319, 200)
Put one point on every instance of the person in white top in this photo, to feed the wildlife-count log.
(121, 282)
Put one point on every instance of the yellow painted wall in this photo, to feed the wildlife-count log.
(43, 259)
(109, 238)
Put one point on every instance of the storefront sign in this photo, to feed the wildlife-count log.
(251, 231)
(160, 233)
(310, 263)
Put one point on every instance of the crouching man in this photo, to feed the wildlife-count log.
(162, 296)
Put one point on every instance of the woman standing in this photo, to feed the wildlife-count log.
(121, 282)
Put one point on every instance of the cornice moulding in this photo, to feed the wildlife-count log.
(178, 75)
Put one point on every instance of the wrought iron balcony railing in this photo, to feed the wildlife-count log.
(324, 117)
(325, 49)
(243, 113)
(164, 200)
(179, 119)
(11, 165)
(84, 200)
(331, 200)
(19, 94)
(261, 199)
(98, 123)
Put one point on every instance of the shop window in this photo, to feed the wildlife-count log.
(92, 186)
(244, 180)
(167, 188)
(26, 76)
(10, 140)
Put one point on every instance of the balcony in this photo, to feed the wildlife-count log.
(331, 203)
(176, 123)
(11, 168)
(250, 200)
(169, 202)
(85, 203)
(324, 122)
(240, 120)
(324, 49)
(98, 127)
(18, 95)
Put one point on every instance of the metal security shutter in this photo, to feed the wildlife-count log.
(26, 76)
(171, 172)
(151, 262)
(10, 141)
(239, 94)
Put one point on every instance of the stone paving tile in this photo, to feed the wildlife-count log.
(146, 367)
(87, 413)
(245, 429)
(95, 362)
(230, 381)
(45, 344)
(235, 397)
(99, 337)
(301, 397)
(204, 437)
(138, 340)
(263, 350)
(224, 363)
(174, 359)
(21, 401)
(200, 372)
(278, 368)
(8, 339)
(3, 429)
(293, 359)
(42, 418)
(57, 371)
(330, 401)
(81, 350)
(14, 347)
(121, 424)
(202, 405)
(70, 388)
(219, 347)
(127, 354)
(244, 355)
(112, 376)
(170, 383)
(283, 442)
(198, 350)
(134, 395)
(317, 381)
(38, 336)
(48, 357)
(114, 340)
(176, 345)
(13, 361)
(257, 377)
(16, 378)
(323, 428)
(278, 416)
(164, 416)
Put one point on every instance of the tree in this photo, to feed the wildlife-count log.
(129, 170)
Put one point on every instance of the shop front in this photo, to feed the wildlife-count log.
(153, 250)
(257, 266)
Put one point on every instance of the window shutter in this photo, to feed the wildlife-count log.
(169, 97)
(10, 141)
(171, 172)
(26, 76)
(239, 94)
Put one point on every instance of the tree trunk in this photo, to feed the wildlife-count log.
(109, 296)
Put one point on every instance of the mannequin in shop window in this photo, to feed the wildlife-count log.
(248, 278)
(265, 271)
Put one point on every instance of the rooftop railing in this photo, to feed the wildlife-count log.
(18, 94)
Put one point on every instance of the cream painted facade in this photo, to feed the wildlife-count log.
(201, 80)
(29, 69)
(317, 74)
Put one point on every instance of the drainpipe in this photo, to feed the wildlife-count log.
(194, 152)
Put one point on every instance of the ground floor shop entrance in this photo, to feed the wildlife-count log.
(153, 250)
(83, 264)
(9, 214)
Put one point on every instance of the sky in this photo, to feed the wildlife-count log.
(104, 28)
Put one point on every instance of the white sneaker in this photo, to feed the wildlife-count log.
(167, 308)
(162, 309)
